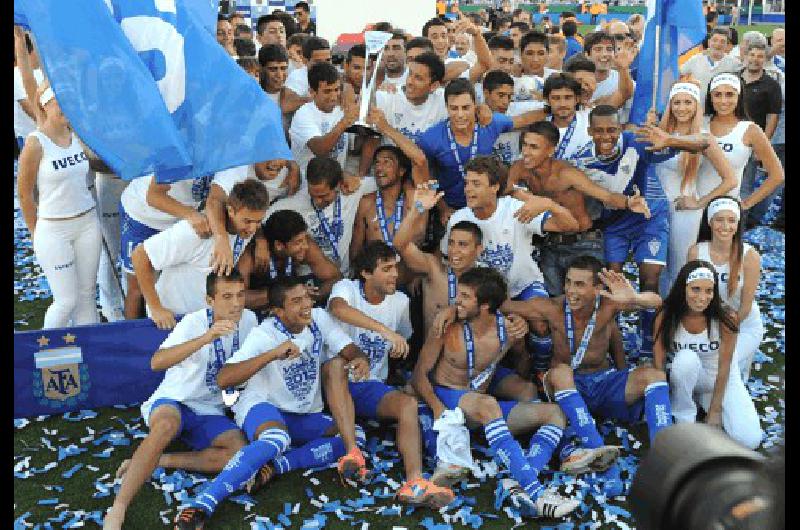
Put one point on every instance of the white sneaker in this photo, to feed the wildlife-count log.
(547, 504)
(583, 460)
(446, 475)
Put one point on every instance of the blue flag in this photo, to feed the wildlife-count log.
(214, 114)
(682, 27)
(83, 367)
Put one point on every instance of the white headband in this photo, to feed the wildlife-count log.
(723, 203)
(685, 88)
(727, 79)
(700, 273)
(46, 96)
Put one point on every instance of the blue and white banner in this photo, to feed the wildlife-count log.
(682, 27)
(68, 369)
(146, 86)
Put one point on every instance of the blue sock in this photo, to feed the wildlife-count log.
(317, 453)
(581, 421)
(426, 426)
(542, 445)
(567, 445)
(508, 453)
(541, 350)
(657, 408)
(646, 320)
(242, 466)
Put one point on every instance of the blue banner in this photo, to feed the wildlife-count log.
(212, 114)
(68, 369)
(682, 27)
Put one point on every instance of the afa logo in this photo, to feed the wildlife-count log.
(60, 378)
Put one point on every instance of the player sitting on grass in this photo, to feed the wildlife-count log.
(188, 403)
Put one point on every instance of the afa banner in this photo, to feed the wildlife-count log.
(194, 111)
(67, 369)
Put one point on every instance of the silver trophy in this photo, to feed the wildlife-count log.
(375, 42)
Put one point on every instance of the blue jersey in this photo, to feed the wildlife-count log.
(436, 144)
(633, 165)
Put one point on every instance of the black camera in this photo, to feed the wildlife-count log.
(695, 477)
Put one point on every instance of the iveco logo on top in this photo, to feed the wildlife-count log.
(697, 348)
(69, 161)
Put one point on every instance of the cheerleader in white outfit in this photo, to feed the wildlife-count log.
(678, 175)
(726, 119)
(738, 267)
(699, 334)
(63, 222)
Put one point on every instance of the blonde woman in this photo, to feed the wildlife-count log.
(62, 222)
(678, 175)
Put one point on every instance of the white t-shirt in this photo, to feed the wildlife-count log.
(392, 312)
(580, 136)
(310, 122)
(607, 86)
(297, 81)
(300, 202)
(193, 381)
(228, 178)
(525, 84)
(507, 145)
(411, 120)
(23, 124)
(184, 261)
(290, 385)
(507, 243)
(134, 200)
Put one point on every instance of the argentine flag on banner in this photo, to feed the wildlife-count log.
(145, 85)
(680, 26)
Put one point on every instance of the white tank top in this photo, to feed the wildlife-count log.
(723, 272)
(704, 346)
(669, 174)
(61, 179)
(735, 151)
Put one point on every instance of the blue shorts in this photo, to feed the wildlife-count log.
(604, 394)
(451, 396)
(302, 428)
(198, 431)
(132, 233)
(500, 373)
(534, 290)
(647, 238)
(367, 395)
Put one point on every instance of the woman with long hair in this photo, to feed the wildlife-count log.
(726, 119)
(62, 222)
(698, 333)
(678, 175)
(738, 266)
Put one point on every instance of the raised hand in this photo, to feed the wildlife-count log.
(377, 118)
(427, 195)
(222, 257)
(533, 207)
(220, 328)
(619, 288)
(656, 137)
(516, 326)
(638, 204)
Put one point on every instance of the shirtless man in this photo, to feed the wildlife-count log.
(455, 370)
(582, 323)
(560, 181)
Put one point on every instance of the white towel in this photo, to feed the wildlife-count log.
(453, 444)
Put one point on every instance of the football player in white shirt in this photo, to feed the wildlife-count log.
(584, 71)
(328, 212)
(274, 71)
(315, 50)
(375, 315)
(498, 94)
(279, 178)
(534, 52)
(421, 104)
(394, 61)
(184, 259)
(282, 363)
(291, 253)
(508, 225)
(318, 127)
(188, 403)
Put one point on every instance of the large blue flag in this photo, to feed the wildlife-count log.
(83, 367)
(682, 27)
(219, 116)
